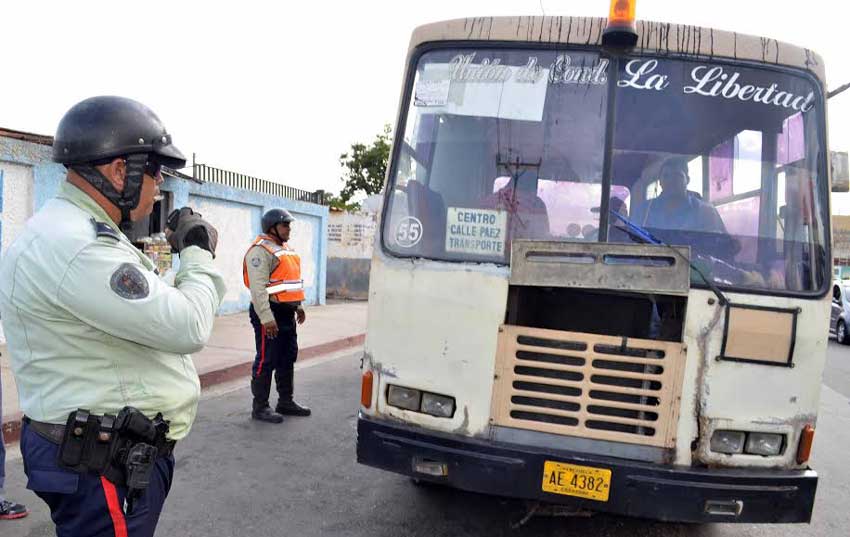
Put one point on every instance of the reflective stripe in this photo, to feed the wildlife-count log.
(285, 283)
(119, 524)
(262, 349)
(285, 286)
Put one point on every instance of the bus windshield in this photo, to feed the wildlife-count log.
(502, 144)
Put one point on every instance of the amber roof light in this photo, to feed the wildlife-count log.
(620, 31)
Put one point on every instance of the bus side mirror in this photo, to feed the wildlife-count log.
(840, 172)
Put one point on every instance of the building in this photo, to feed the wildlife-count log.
(232, 202)
(351, 241)
(351, 238)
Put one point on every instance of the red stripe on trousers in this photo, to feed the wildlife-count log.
(262, 350)
(115, 511)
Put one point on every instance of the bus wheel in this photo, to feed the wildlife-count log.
(841, 332)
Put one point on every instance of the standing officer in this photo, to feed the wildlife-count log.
(99, 344)
(272, 271)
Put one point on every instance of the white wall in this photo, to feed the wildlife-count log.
(235, 224)
(304, 239)
(17, 200)
(351, 235)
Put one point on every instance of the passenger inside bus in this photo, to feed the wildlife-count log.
(677, 207)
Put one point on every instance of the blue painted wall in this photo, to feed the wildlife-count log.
(1, 195)
(46, 179)
(1, 209)
(47, 175)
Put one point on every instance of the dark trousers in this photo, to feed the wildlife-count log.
(87, 505)
(274, 356)
(2, 446)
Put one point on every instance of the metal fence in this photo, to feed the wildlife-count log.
(246, 182)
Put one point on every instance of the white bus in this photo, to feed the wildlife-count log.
(604, 267)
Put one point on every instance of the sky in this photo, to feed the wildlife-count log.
(279, 90)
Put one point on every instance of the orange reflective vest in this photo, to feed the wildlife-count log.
(285, 283)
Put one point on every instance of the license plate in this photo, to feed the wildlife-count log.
(574, 480)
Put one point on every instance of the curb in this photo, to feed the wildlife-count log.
(12, 426)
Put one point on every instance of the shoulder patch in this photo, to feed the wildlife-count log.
(255, 261)
(103, 229)
(128, 282)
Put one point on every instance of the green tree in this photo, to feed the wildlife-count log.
(337, 202)
(364, 167)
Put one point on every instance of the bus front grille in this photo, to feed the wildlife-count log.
(588, 385)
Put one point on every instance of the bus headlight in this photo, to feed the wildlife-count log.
(764, 443)
(406, 398)
(438, 405)
(441, 406)
(727, 441)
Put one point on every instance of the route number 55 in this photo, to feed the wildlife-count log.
(409, 232)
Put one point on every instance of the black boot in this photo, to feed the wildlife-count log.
(291, 408)
(266, 414)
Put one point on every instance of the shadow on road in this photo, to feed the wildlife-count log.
(464, 513)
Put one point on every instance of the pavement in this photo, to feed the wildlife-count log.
(237, 477)
(230, 351)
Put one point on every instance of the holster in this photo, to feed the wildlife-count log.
(122, 448)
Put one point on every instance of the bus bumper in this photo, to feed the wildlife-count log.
(668, 493)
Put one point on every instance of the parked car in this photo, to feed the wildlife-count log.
(840, 317)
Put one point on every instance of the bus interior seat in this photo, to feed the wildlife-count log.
(430, 208)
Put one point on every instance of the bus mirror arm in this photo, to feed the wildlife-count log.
(838, 90)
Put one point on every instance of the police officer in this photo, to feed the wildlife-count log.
(272, 271)
(97, 340)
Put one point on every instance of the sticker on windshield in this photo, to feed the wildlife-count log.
(432, 92)
(476, 231)
(409, 232)
(483, 89)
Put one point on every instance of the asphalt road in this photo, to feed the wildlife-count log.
(236, 477)
(836, 374)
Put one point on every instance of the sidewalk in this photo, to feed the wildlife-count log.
(230, 351)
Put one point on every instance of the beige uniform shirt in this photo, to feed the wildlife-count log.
(260, 263)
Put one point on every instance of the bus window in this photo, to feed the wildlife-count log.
(735, 188)
(747, 223)
(497, 135)
(563, 206)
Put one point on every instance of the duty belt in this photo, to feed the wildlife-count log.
(123, 448)
(54, 433)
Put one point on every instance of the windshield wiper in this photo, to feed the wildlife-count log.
(637, 232)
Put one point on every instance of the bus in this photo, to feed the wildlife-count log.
(603, 269)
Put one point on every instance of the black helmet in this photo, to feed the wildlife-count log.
(106, 127)
(102, 128)
(273, 217)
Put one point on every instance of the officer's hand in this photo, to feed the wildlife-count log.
(301, 315)
(270, 329)
(188, 228)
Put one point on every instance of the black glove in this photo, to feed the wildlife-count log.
(188, 228)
